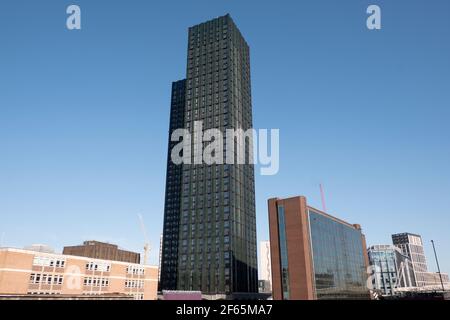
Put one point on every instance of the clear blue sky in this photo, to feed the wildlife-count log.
(84, 114)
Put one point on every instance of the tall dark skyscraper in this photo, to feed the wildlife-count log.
(172, 207)
(209, 241)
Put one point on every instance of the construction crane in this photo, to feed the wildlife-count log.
(147, 246)
(322, 195)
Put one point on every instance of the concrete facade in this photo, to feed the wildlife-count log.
(25, 272)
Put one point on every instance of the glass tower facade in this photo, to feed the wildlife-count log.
(283, 253)
(386, 263)
(339, 266)
(209, 241)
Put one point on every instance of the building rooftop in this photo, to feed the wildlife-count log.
(323, 213)
(406, 234)
(60, 255)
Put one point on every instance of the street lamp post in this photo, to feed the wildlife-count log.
(439, 269)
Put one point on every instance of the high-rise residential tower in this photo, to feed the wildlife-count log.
(172, 207)
(209, 241)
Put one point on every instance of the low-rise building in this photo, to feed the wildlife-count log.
(433, 281)
(25, 272)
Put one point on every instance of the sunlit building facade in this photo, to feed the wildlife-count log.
(315, 255)
(390, 269)
(41, 274)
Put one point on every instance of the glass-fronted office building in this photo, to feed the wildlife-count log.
(338, 258)
(390, 269)
(315, 255)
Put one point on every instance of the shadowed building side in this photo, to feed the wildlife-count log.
(172, 206)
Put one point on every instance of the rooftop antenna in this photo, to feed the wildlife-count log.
(147, 247)
(322, 194)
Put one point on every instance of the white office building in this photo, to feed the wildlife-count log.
(265, 268)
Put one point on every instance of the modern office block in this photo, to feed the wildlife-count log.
(411, 245)
(315, 255)
(391, 269)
